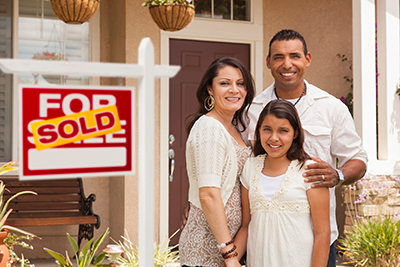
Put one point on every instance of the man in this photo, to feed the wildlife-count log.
(328, 126)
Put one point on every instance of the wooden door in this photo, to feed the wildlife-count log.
(194, 57)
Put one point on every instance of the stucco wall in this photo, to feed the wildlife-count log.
(123, 24)
(327, 28)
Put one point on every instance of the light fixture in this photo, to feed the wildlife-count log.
(113, 253)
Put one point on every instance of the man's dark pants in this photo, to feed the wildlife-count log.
(332, 256)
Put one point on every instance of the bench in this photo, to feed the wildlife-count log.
(59, 202)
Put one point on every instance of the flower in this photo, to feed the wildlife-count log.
(49, 56)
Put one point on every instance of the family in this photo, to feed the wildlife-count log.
(263, 170)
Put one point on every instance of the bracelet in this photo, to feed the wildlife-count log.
(229, 251)
(230, 256)
(225, 244)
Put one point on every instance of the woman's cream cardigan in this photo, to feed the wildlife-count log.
(210, 159)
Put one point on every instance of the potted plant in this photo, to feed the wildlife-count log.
(171, 15)
(4, 251)
(45, 55)
(75, 11)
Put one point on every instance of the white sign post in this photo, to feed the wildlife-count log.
(146, 71)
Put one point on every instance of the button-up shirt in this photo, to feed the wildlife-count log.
(329, 132)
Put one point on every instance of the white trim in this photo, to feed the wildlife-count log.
(201, 29)
(364, 74)
(388, 68)
(15, 132)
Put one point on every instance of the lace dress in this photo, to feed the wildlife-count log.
(197, 245)
(280, 230)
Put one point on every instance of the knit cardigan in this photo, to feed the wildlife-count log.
(210, 159)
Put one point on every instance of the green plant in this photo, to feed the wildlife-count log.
(17, 240)
(374, 238)
(85, 257)
(11, 166)
(348, 101)
(162, 255)
(374, 243)
(12, 239)
(162, 2)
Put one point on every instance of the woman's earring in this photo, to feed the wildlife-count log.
(209, 103)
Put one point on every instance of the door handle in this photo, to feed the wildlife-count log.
(171, 155)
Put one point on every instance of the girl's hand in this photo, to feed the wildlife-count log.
(232, 262)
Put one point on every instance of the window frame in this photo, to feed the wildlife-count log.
(251, 14)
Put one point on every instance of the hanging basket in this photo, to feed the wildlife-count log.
(172, 16)
(75, 11)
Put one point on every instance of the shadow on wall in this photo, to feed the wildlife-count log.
(396, 168)
(395, 118)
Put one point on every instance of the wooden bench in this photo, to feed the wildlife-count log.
(59, 202)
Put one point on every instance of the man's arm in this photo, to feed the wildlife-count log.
(353, 170)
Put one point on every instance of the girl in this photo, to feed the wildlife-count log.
(285, 222)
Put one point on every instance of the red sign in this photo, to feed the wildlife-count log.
(71, 132)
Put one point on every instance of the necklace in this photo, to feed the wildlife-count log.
(304, 90)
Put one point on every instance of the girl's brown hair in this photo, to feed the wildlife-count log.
(283, 109)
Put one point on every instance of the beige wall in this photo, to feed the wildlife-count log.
(123, 24)
(327, 28)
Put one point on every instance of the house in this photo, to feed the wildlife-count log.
(113, 35)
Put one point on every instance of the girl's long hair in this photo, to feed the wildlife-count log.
(283, 109)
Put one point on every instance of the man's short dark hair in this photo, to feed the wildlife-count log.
(287, 35)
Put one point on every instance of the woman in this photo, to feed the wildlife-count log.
(215, 155)
(285, 221)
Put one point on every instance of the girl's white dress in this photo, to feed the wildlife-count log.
(280, 230)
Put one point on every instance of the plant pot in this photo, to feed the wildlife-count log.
(172, 16)
(75, 11)
(4, 252)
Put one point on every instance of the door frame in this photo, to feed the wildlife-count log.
(211, 30)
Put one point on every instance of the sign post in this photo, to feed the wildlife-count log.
(146, 71)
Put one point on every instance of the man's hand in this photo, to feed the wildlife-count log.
(321, 171)
(185, 215)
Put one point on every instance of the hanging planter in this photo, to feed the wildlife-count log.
(54, 79)
(172, 15)
(75, 11)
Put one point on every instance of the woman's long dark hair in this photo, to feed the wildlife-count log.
(283, 109)
(207, 81)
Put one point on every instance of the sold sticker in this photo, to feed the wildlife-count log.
(75, 127)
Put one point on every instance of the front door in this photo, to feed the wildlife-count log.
(194, 57)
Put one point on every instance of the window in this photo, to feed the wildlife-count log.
(223, 9)
(42, 35)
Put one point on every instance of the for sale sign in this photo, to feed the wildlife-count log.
(75, 131)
